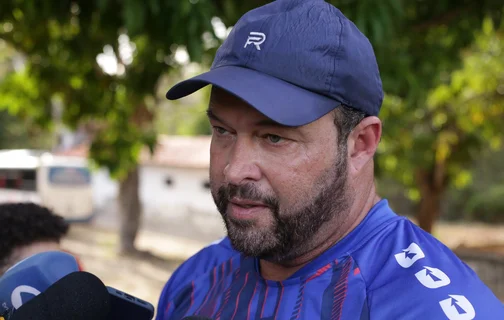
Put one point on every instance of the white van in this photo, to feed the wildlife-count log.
(61, 183)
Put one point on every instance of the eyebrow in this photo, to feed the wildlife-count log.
(261, 123)
(212, 115)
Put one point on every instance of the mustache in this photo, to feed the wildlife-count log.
(246, 191)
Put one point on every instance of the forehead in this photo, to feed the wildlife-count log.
(221, 96)
(236, 113)
(225, 104)
(222, 99)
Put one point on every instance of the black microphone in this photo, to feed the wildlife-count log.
(77, 296)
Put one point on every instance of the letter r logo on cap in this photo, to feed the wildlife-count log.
(255, 38)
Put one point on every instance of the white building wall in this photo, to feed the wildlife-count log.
(185, 208)
(186, 193)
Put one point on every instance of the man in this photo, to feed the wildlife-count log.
(28, 229)
(294, 106)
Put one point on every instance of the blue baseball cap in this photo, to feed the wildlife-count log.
(294, 61)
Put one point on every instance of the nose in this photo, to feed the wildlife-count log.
(242, 163)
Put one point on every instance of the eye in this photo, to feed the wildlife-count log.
(273, 138)
(220, 130)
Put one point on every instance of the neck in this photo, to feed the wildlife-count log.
(26, 251)
(337, 230)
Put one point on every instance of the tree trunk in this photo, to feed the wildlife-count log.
(431, 184)
(130, 211)
(429, 209)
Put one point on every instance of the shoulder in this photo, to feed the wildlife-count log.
(199, 264)
(401, 247)
(426, 278)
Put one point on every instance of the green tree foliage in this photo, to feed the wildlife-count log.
(430, 146)
(178, 118)
(16, 132)
(61, 41)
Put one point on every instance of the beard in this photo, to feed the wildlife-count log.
(293, 230)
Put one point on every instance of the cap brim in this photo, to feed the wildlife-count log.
(278, 100)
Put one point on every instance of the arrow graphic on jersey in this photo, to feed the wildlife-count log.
(457, 308)
(432, 278)
(409, 256)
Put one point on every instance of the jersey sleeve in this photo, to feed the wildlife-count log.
(197, 265)
(423, 279)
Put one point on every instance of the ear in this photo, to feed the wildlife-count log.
(363, 141)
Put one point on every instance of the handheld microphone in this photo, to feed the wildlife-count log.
(33, 275)
(77, 296)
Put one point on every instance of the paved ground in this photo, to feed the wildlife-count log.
(176, 239)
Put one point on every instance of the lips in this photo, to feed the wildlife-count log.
(241, 209)
(247, 203)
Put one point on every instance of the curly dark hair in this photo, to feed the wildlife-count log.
(24, 224)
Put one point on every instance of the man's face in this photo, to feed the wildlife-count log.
(275, 186)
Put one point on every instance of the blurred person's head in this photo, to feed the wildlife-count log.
(28, 229)
(294, 111)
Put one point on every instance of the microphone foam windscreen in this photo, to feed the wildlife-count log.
(77, 296)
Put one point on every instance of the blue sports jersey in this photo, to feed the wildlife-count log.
(386, 268)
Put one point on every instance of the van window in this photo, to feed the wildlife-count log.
(18, 179)
(69, 176)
